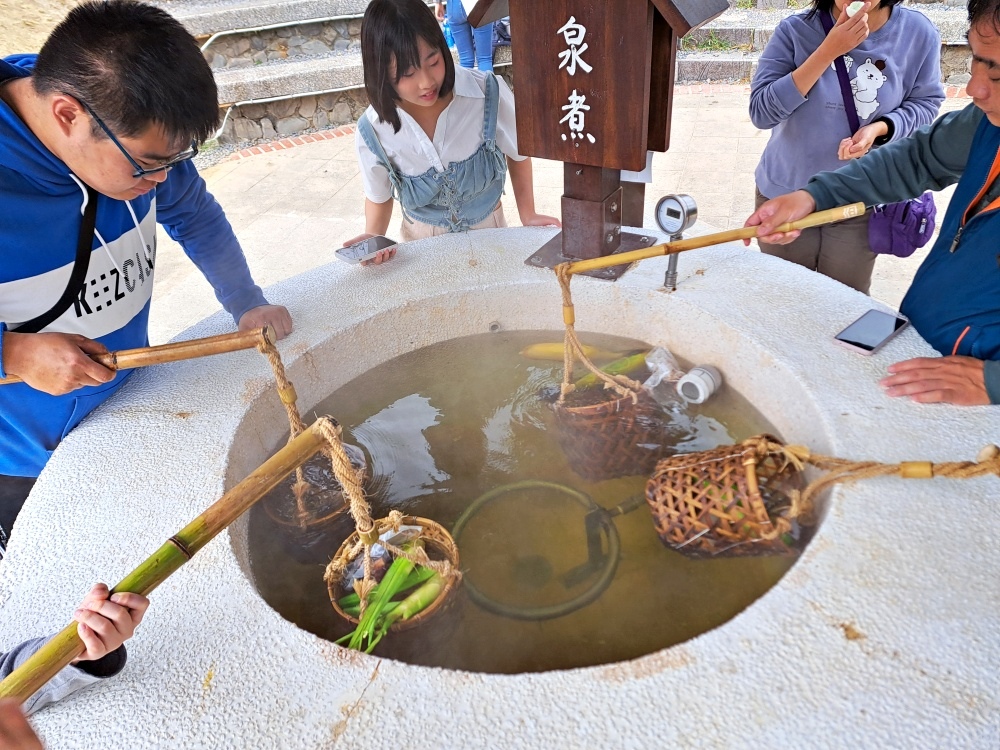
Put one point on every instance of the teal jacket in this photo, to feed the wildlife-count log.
(954, 300)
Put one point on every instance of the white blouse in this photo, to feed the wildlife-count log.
(458, 134)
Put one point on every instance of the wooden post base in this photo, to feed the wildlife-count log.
(551, 255)
(592, 205)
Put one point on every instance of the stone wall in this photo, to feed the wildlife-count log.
(254, 122)
(268, 120)
(955, 63)
(311, 39)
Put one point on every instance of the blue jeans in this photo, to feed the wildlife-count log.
(470, 53)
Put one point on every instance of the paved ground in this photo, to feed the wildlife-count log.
(292, 205)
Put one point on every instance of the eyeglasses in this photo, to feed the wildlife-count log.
(140, 171)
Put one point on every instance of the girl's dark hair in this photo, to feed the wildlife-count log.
(134, 65)
(389, 32)
(826, 6)
(985, 11)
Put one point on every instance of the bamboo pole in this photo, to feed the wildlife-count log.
(743, 233)
(44, 664)
(127, 359)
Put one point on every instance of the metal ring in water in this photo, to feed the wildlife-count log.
(548, 612)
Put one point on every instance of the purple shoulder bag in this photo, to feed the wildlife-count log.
(893, 228)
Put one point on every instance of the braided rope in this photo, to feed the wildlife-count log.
(288, 397)
(350, 480)
(845, 471)
(573, 350)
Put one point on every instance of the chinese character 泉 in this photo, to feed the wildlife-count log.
(573, 33)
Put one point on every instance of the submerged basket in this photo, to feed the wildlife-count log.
(730, 501)
(438, 544)
(326, 519)
(614, 438)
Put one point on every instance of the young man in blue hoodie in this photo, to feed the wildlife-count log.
(954, 300)
(107, 115)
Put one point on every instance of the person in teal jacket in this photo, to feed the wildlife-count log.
(954, 299)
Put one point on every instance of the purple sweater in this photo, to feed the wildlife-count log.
(895, 74)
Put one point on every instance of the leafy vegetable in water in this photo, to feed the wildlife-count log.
(382, 612)
(351, 603)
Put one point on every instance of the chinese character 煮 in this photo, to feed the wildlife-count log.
(575, 117)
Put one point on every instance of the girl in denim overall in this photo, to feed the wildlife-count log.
(437, 139)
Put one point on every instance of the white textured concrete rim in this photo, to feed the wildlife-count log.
(882, 635)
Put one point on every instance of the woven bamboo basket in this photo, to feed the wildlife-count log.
(324, 519)
(618, 437)
(438, 545)
(730, 501)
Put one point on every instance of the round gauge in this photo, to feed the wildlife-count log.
(675, 213)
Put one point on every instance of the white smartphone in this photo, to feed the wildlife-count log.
(871, 331)
(365, 250)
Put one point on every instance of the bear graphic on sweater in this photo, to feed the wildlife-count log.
(865, 86)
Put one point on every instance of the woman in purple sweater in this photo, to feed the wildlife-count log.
(892, 56)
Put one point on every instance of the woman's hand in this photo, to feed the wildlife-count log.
(383, 255)
(540, 220)
(847, 33)
(861, 142)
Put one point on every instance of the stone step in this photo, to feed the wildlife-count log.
(203, 18)
(285, 97)
(728, 66)
(302, 75)
(951, 22)
(739, 64)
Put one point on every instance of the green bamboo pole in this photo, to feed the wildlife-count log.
(44, 664)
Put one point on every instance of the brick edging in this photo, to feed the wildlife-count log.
(298, 140)
(951, 92)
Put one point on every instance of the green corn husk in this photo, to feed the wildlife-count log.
(618, 367)
(382, 613)
(351, 603)
(362, 638)
(416, 602)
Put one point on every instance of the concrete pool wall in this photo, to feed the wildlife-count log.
(882, 635)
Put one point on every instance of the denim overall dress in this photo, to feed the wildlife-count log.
(465, 193)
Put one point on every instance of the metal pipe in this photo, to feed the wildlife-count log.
(670, 279)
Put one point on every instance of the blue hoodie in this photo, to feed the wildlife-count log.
(41, 204)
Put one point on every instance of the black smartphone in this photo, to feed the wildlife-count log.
(871, 331)
(365, 250)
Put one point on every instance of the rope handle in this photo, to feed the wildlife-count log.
(573, 350)
(842, 471)
(350, 480)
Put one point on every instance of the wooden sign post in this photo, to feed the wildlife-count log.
(594, 90)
